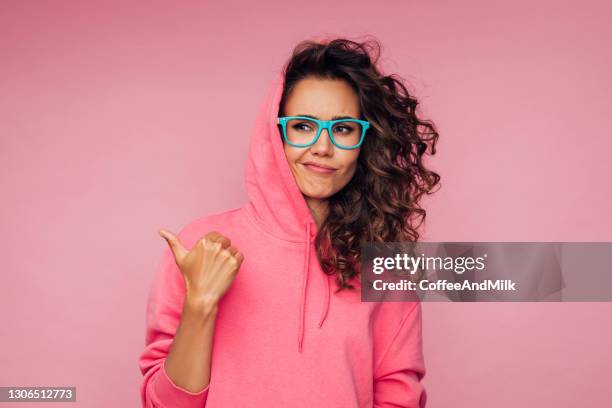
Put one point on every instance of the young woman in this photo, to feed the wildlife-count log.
(260, 305)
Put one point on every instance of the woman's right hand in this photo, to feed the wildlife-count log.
(209, 268)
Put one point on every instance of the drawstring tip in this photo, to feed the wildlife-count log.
(326, 308)
(300, 346)
(322, 320)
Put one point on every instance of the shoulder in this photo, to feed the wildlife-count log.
(388, 316)
(223, 222)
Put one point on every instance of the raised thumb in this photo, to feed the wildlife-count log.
(178, 250)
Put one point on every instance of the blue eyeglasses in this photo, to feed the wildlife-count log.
(304, 131)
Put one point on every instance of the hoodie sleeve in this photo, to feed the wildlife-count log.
(163, 313)
(400, 368)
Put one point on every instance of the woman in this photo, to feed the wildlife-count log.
(260, 305)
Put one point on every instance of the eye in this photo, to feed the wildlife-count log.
(344, 128)
(302, 126)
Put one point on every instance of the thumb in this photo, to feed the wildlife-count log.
(178, 250)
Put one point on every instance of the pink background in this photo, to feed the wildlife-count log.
(118, 118)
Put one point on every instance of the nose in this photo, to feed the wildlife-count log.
(323, 145)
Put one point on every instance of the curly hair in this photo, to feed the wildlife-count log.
(381, 201)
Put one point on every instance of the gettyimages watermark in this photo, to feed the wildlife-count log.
(37, 394)
(487, 271)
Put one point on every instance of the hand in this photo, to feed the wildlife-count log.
(209, 268)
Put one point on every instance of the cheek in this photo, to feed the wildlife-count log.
(349, 162)
(291, 154)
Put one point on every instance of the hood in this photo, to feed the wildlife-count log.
(275, 200)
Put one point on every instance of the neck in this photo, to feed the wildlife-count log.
(318, 209)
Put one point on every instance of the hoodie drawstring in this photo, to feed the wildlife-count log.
(308, 243)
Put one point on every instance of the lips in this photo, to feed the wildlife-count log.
(318, 168)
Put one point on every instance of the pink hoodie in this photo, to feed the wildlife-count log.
(282, 337)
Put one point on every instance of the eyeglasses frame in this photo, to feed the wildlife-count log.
(323, 124)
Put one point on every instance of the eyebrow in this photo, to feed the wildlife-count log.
(333, 118)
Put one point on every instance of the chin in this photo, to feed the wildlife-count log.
(318, 195)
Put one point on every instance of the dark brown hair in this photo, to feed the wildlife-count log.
(381, 202)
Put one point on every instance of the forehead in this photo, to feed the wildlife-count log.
(322, 98)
